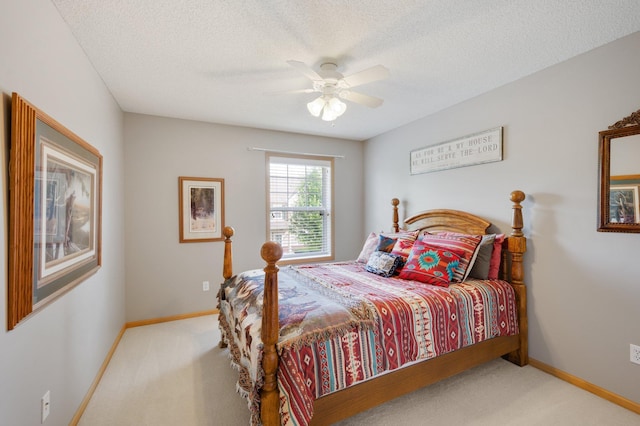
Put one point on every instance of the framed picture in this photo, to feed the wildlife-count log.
(55, 200)
(201, 209)
(624, 204)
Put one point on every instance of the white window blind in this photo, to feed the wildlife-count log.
(300, 206)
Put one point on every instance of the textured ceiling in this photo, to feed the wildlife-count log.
(224, 61)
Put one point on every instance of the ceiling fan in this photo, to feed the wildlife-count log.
(333, 87)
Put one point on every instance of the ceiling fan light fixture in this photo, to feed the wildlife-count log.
(328, 115)
(315, 107)
(337, 106)
(330, 107)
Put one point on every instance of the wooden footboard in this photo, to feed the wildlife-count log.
(350, 401)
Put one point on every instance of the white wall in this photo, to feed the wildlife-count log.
(164, 277)
(61, 347)
(583, 286)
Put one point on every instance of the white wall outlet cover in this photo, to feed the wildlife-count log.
(635, 354)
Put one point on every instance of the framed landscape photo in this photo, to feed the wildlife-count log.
(55, 200)
(201, 216)
(624, 204)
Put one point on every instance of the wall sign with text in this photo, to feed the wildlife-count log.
(478, 148)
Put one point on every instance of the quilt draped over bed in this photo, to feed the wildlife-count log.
(341, 325)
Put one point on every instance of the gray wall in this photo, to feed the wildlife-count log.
(61, 347)
(583, 286)
(165, 277)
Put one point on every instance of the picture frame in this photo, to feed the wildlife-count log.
(201, 202)
(55, 210)
(624, 203)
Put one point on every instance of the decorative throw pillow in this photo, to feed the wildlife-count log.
(430, 264)
(382, 263)
(494, 266)
(369, 247)
(480, 268)
(385, 243)
(468, 244)
(403, 244)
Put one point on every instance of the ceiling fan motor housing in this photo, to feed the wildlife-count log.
(329, 72)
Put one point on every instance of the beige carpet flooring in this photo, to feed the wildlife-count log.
(174, 374)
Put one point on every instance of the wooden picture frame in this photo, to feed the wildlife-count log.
(55, 210)
(624, 204)
(618, 147)
(201, 217)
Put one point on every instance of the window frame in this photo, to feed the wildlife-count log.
(330, 245)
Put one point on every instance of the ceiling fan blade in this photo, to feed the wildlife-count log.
(367, 76)
(304, 69)
(359, 98)
(286, 92)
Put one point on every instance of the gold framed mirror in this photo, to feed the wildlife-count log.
(619, 189)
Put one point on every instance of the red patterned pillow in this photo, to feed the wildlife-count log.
(468, 244)
(430, 264)
(494, 265)
(403, 244)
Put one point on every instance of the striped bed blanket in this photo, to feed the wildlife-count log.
(341, 325)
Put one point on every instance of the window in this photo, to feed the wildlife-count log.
(300, 211)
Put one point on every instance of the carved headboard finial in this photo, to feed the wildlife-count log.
(632, 120)
(517, 197)
(395, 202)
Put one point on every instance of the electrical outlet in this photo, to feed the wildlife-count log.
(205, 285)
(635, 354)
(45, 403)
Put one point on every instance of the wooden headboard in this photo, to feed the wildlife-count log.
(442, 220)
(448, 220)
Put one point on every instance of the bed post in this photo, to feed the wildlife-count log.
(395, 202)
(517, 245)
(269, 398)
(227, 267)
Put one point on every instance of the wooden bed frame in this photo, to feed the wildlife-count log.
(347, 402)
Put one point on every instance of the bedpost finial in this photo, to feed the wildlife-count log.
(227, 267)
(271, 252)
(517, 196)
(395, 203)
(228, 232)
(516, 222)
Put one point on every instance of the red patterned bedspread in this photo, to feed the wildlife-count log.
(341, 325)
